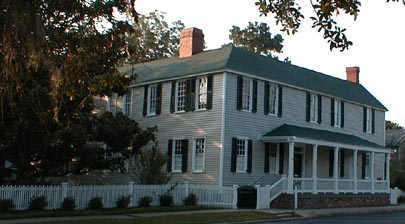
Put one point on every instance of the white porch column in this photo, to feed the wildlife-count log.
(315, 168)
(387, 170)
(290, 183)
(355, 171)
(372, 171)
(335, 169)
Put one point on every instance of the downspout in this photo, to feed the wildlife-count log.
(221, 157)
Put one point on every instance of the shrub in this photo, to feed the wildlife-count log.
(37, 203)
(398, 179)
(191, 199)
(123, 201)
(145, 201)
(6, 205)
(166, 200)
(68, 204)
(96, 203)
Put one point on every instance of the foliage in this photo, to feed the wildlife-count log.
(153, 38)
(68, 204)
(191, 199)
(389, 125)
(96, 203)
(37, 203)
(145, 201)
(256, 37)
(166, 200)
(123, 201)
(149, 166)
(6, 205)
(397, 179)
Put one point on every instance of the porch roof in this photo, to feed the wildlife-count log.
(286, 130)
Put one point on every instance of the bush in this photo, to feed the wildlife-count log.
(166, 200)
(68, 204)
(37, 203)
(123, 201)
(95, 203)
(401, 200)
(398, 179)
(6, 205)
(145, 201)
(191, 199)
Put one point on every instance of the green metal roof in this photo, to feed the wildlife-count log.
(238, 60)
(322, 135)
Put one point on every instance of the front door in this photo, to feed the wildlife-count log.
(297, 163)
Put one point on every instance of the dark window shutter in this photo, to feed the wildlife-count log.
(280, 101)
(332, 112)
(254, 97)
(169, 156)
(266, 157)
(319, 109)
(209, 92)
(342, 163)
(308, 107)
(373, 121)
(363, 165)
(184, 156)
(331, 160)
(233, 155)
(173, 98)
(190, 95)
(159, 98)
(239, 93)
(249, 157)
(281, 162)
(342, 114)
(364, 119)
(145, 100)
(266, 97)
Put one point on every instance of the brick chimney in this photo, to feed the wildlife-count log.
(352, 74)
(191, 42)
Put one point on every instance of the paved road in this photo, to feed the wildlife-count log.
(389, 218)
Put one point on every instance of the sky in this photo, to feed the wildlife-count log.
(378, 37)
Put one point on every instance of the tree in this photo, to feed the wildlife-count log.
(257, 38)
(389, 125)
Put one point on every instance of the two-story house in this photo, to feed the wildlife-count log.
(232, 117)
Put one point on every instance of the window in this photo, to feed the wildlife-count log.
(246, 94)
(241, 155)
(199, 154)
(367, 174)
(152, 100)
(177, 155)
(181, 96)
(127, 104)
(273, 158)
(337, 113)
(202, 93)
(314, 108)
(368, 120)
(273, 95)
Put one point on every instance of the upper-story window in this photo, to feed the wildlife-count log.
(128, 103)
(181, 96)
(246, 94)
(314, 108)
(337, 113)
(152, 99)
(273, 99)
(202, 93)
(368, 120)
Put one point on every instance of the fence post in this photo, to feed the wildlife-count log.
(131, 193)
(235, 197)
(65, 190)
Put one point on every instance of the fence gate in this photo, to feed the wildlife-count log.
(247, 197)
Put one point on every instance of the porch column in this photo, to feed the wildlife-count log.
(335, 169)
(315, 168)
(355, 171)
(372, 171)
(387, 170)
(290, 182)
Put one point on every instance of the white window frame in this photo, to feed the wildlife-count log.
(197, 156)
(247, 94)
(201, 95)
(276, 158)
(152, 100)
(273, 99)
(241, 146)
(337, 113)
(369, 120)
(177, 159)
(313, 108)
(181, 99)
(128, 103)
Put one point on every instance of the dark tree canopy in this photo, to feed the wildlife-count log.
(389, 125)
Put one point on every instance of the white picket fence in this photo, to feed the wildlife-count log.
(209, 195)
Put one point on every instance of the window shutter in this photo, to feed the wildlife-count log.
(332, 112)
(249, 157)
(233, 157)
(173, 98)
(364, 119)
(280, 101)
(342, 114)
(281, 161)
(319, 109)
(266, 97)
(209, 92)
(184, 156)
(308, 107)
(363, 165)
(373, 121)
(254, 96)
(266, 157)
(190, 95)
(331, 160)
(145, 100)
(169, 156)
(342, 163)
(239, 93)
(159, 98)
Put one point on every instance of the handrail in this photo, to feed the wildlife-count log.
(274, 186)
(255, 180)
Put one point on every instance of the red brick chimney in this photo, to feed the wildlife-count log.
(352, 74)
(191, 42)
